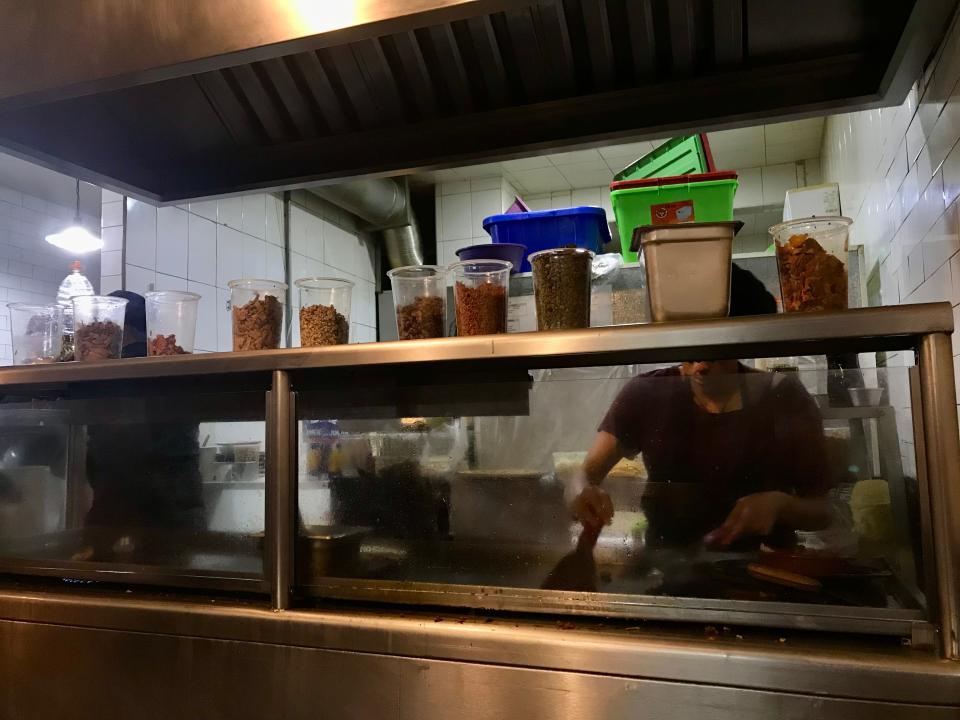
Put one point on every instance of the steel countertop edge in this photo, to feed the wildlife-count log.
(902, 325)
(835, 666)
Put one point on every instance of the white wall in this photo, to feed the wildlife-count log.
(461, 207)
(200, 247)
(899, 175)
(31, 270)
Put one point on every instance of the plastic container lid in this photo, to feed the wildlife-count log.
(541, 214)
(673, 180)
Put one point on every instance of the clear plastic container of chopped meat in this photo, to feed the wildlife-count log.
(812, 262)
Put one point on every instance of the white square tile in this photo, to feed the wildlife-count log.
(274, 220)
(202, 255)
(207, 338)
(486, 183)
(224, 321)
(457, 187)
(172, 254)
(170, 282)
(528, 163)
(141, 234)
(587, 197)
(314, 236)
(456, 218)
(299, 267)
(541, 180)
(776, 180)
(560, 200)
(254, 257)
(363, 261)
(111, 214)
(274, 263)
(230, 212)
(586, 176)
(140, 280)
(111, 284)
(112, 238)
(483, 204)
(340, 248)
(229, 255)
(591, 158)
(111, 263)
(205, 208)
(750, 191)
(107, 196)
(254, 215)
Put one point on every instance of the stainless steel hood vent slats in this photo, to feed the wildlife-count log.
(458, 81)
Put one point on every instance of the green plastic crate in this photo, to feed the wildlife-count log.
(685, 155)
(693, 198)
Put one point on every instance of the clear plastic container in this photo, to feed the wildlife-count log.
(98, 321)
(171, 322)
(561, 288)
(324, 311)
(420, 301)
(812, 261)
(481, 291)
(37, 333)
(257, 307)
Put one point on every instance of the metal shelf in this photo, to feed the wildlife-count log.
(861, 330)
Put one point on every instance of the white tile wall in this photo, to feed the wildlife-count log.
(200, 247)
(30, 269)
(899, 175)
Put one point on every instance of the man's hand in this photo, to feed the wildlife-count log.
(753, 515)
(592, 507)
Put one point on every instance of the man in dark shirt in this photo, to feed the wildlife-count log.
(733, 455)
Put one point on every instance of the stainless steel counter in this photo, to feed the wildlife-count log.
(367, 663)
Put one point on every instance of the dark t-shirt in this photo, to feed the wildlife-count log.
(700, 463)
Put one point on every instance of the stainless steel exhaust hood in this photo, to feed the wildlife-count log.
(174, 99)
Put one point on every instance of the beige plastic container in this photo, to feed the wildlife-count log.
(688, 268)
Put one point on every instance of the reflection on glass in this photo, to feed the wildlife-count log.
(707, 479)
(90, 484)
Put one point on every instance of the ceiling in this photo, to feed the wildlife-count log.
(732, 150)
(168, 101)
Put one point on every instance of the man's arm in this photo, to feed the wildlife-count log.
(589, 503)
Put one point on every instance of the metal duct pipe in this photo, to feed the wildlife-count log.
(403, 244)
(383, 203)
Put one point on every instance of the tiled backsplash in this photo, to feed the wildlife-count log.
(462, 206)
(201, 246)
(899, 175)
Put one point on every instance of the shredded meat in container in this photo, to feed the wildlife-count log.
(481, 310)
(99, 340)
(810, 277)
(257, 324)
(164, 345)
(322, 325)
(423, 318)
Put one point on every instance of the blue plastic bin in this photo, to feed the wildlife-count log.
(584, 227)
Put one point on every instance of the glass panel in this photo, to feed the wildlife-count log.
(155, 485)
(721, 480)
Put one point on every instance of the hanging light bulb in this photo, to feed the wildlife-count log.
(76, 238)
